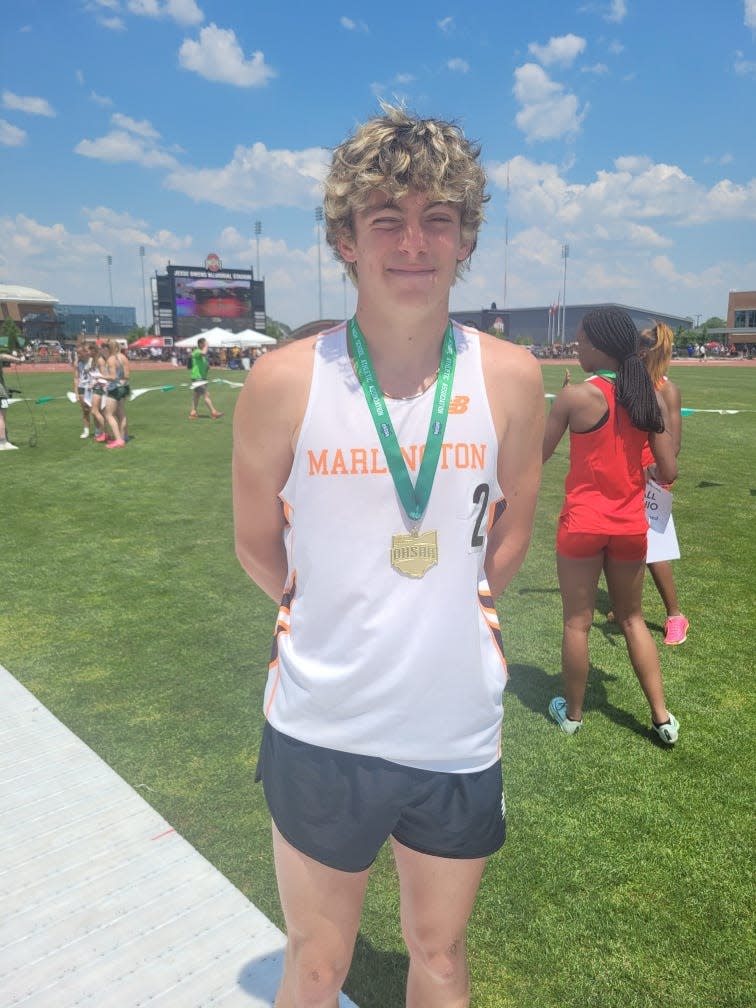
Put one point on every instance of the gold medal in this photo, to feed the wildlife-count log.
(414, 554)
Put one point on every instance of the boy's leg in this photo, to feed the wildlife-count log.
(322, 907)
(437, 898)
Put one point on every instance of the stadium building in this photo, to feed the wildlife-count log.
(740, 330)
(537, 327)
(95, 320)
(32, 310)
(550, 325)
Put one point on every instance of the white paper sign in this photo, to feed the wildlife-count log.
(658, 506)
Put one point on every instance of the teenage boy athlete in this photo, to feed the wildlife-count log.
(385, 481)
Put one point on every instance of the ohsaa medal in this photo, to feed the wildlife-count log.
(414, 554)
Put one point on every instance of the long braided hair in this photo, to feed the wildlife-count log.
(612, 331)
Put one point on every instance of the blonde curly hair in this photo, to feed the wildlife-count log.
(397, 152)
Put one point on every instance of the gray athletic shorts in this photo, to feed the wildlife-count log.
(340, 808)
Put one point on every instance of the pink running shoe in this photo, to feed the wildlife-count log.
(676, 630)
(120, 443)
(101, 438)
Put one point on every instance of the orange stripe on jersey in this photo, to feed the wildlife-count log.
(282, 627)
(495, 511)
(486, 602)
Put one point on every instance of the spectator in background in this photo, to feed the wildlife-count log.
(83, 362)
(117, 373)
(99, 389)
(5, 444)
(200, 371)
(656, 353)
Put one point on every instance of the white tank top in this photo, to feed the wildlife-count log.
(365, 659)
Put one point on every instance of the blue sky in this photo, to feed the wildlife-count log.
(621, 127)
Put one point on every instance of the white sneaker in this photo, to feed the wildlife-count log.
(669, 731)
(7, 446)
(84, 434)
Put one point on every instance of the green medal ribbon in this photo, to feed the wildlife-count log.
(611, 375)
(414, 499)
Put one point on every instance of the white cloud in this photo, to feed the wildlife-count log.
(458, 65)
(599, 69)
(185, 12)
(742, 66)
(257, 177)
(65, 262)
(546, 112)
(728, 201)
(100, 99)
(350, 25)
(142, 128)
(617, 11)
(11, 136)
(121, 146)
(446, 25)
(621, 201)
(720, 159)
(629, 233)
(28, 104)
(111, 21)
(562, 50)
(750, 14)
(145, 8)
(217, 56)
(647, 237)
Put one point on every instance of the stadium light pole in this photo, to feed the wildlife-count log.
(319, 221)
(258, 232)
(109, 261)
(565, 256)
(144, 296)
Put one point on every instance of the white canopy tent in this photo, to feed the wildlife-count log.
(217, 338)
(213, 337)
(250, 338)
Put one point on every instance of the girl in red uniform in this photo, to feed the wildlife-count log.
(603, 524)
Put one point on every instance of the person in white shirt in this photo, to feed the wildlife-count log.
(385, 478)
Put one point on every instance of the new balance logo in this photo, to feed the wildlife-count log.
(459, 404)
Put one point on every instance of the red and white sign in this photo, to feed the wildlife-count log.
(213, 263)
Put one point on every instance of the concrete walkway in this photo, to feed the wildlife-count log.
(102, 903)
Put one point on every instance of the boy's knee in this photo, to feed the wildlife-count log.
(446, 962)
(315, 978)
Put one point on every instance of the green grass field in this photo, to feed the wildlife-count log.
(627, 878)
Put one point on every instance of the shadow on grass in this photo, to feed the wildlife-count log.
(534, 688)
(376, 979)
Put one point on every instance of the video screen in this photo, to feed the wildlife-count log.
(213, 298)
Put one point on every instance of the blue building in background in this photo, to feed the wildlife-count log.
(95, 320)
